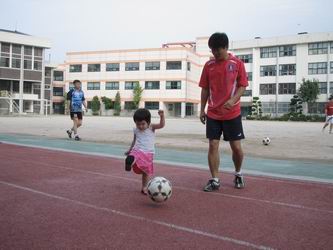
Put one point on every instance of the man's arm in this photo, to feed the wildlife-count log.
(204, 98)
(233, 100)
(162, 121)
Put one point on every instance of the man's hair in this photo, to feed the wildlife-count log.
(142, 115)
(218, 40)
(75, 81)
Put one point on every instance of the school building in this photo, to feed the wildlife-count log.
(25, 76)
(170, 75)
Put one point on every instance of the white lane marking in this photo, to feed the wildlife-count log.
(140, 218)
(298, 180)
(189, 189)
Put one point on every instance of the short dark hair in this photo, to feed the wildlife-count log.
(218, 40)
(75, 81)
(142, 115)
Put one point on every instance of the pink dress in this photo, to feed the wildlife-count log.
(143, 151)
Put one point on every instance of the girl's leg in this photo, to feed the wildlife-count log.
(145, 179)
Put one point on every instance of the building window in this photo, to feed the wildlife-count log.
(318, 48)
(38, 58)
(58, 91)
(287, 69)
(283, 107)
(58, 75)
(27, 57)
(152, 105)
(16, 56)
(37, 65)
(152, 85)
(94, 67)
(188, 66)
(269, 70)
(4, 56)
(130, 85)
(174, 65)
(247, 92)
(249, 76)
(75, 68)
(93, 86)
(322, 87)
(331, 70)
(317, 68)
(132, 66)
(27, 64)
(287, 50)
(47, 72)
(268, 107)
(287, 88)
(331, 88)
(268, 52)
(71, 85)
(316, 108)
(268, 89)
(129, 105)
(152, 66)
(111, 85)
(112, 67)
(331, 50)
(38, 52)
(173, 85)
(246, 58)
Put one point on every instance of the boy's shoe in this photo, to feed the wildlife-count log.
(77, 138)
(129, 162)
(239, 181)
(212, 185)
(69, 132)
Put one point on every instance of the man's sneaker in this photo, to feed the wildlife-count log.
(129, 162)
(239, 181)
(77, 138)
(212, 185)
(69, 132)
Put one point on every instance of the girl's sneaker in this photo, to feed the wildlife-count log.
(69, 133)
(129, 162)
(77, 138)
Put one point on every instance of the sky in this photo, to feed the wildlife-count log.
(81, 25)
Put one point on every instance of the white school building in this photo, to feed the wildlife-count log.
(170, 75)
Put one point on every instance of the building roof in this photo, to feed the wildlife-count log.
(15, 32)
(9, 36)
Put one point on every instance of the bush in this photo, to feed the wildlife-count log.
(95, 105)
(117, 105)
(107, 102)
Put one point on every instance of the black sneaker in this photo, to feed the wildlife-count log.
(77, 138)
(239, 181)
(69, 132)
(129, 162)
(212, 185)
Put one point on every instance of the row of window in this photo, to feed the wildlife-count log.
(284, 107)
(290, 50)
(131, 84)
(11, 55)
(290, 88)
(316, 68)
(129, 66)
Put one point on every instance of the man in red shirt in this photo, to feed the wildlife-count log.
(223, 82)
(329, 114)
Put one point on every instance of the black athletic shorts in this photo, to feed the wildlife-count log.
(232, 130)
(77, 115)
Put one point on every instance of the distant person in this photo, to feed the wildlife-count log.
(329, 114)
(76, 100)
(141, 153)
(223, 82)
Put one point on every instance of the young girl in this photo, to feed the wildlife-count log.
(141, 153)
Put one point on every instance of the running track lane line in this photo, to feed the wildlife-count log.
(190, 189)
(140, 218)
(192, 167)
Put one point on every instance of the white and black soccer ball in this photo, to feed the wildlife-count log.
(266, 141)
(159, 189)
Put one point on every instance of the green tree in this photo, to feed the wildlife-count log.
(296, 106)
(309, 90)
(256, 109)
(95, 105)
(137, 94)
(107, 102)
(117, 104)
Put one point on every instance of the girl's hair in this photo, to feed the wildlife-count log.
(142, 115)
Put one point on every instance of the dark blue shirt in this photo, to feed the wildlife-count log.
(76, 98)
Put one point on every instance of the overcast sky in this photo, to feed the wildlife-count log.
(74, 25)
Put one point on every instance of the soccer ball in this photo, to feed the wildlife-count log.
(266, 141)
(159, 189)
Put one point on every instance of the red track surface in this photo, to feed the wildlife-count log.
(51, 199)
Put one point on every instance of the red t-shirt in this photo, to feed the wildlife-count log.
(329, 108)
(223, 78)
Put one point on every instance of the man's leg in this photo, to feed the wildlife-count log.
(75, 122)
(237, 154)
(214, 157)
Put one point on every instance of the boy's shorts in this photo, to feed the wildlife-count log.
(329, 119)
(232, 130)
(77, 115)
